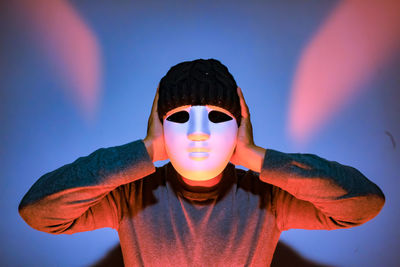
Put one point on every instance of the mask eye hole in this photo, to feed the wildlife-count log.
(217, 116)
(179, 117)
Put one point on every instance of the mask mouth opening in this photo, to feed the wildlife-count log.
(198, 156)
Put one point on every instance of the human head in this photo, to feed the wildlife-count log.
(200, 110)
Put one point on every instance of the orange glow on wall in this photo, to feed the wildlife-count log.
(70, 47)
(355, 41)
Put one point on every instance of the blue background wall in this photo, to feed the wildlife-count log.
(129, 46)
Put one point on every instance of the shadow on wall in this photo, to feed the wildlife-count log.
(284, 256)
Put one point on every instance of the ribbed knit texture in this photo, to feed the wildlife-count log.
(199, 82)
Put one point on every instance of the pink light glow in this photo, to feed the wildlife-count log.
(70, 46)
(351, 45)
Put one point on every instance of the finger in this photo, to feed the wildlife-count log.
(243, 106)
(155, 102)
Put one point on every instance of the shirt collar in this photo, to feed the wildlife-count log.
(198, 193)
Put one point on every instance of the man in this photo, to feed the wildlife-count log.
(199, 210)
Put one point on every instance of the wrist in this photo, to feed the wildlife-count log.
(255, 158)
(149, 147)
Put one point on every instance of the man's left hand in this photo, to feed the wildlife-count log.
(246, 153)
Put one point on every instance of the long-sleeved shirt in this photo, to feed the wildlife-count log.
(161, 221)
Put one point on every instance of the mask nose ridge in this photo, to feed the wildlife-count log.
(198, 124)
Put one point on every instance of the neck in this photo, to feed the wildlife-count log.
(207, 183)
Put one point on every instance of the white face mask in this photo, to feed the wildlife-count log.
(199, 140)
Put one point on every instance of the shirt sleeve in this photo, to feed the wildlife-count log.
(85, 194)
(313, 193)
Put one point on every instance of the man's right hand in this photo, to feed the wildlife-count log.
(154, 140)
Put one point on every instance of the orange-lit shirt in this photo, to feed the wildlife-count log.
(161, 221)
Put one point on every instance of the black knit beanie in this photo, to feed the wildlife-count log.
(199, 82)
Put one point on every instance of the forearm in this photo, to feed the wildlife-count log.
(69, 191)
(339, 191)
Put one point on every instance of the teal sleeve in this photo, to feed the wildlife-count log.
(85, 194)
(314, 193)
